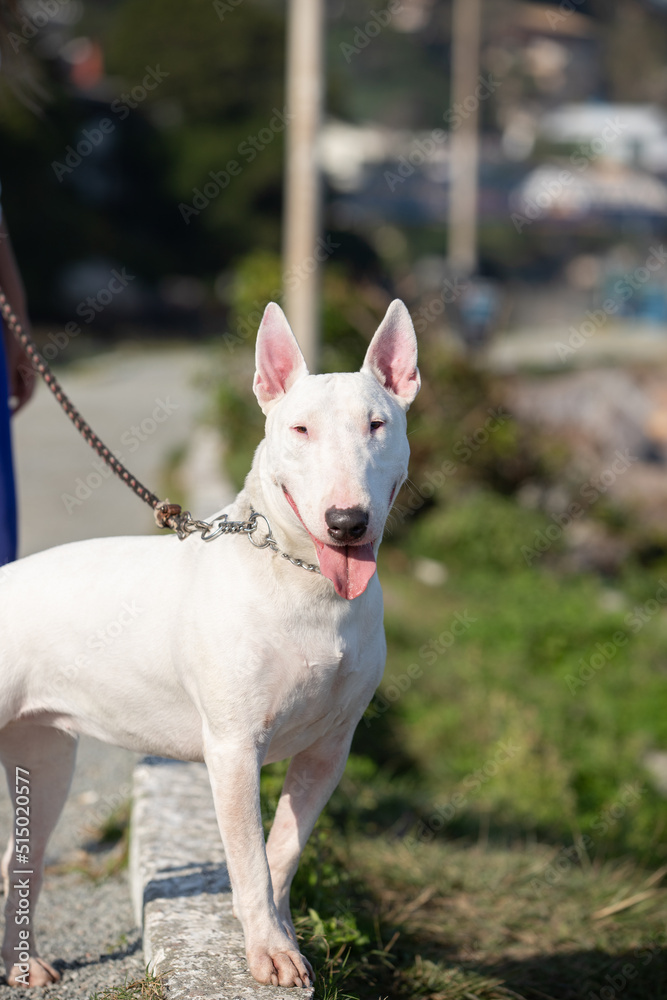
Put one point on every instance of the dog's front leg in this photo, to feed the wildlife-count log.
(311, 778)
(272, 955)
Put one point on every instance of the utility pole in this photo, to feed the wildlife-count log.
(303, 189)
(464, 140)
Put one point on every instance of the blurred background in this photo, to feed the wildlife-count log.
(502, 167)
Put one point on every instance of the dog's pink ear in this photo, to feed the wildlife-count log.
(392, 355)
(279, 362)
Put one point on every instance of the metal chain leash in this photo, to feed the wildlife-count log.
(41, 366)
(167, 515)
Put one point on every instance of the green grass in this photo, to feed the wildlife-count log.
(566, 672)
(462, 919)
(151, 987)
(491, 809)
(105, 850)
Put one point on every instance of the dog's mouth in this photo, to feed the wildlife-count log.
(349, 567)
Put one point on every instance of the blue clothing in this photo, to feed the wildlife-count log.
(7, 488)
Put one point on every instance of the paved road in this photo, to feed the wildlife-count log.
(144, 404)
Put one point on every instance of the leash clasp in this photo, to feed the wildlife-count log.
(165, 511)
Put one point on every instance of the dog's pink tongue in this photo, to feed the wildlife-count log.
(349, 567)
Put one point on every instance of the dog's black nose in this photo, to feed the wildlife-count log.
(346, 525)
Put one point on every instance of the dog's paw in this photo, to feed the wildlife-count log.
(287, 967)
(40, 974)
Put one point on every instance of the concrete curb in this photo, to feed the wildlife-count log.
(180, 888)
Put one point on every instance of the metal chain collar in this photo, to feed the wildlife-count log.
(167, 515)
(221, 525)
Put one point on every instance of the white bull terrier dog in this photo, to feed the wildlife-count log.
(222, 652)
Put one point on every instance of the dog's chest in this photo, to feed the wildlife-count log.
(321, 695)
(317, 680)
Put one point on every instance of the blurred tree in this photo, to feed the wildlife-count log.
(215, 99)
(400, 79)
(220, 111)
(148, 200)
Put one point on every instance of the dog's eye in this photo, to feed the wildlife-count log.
(300, 429)
(376, 424)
